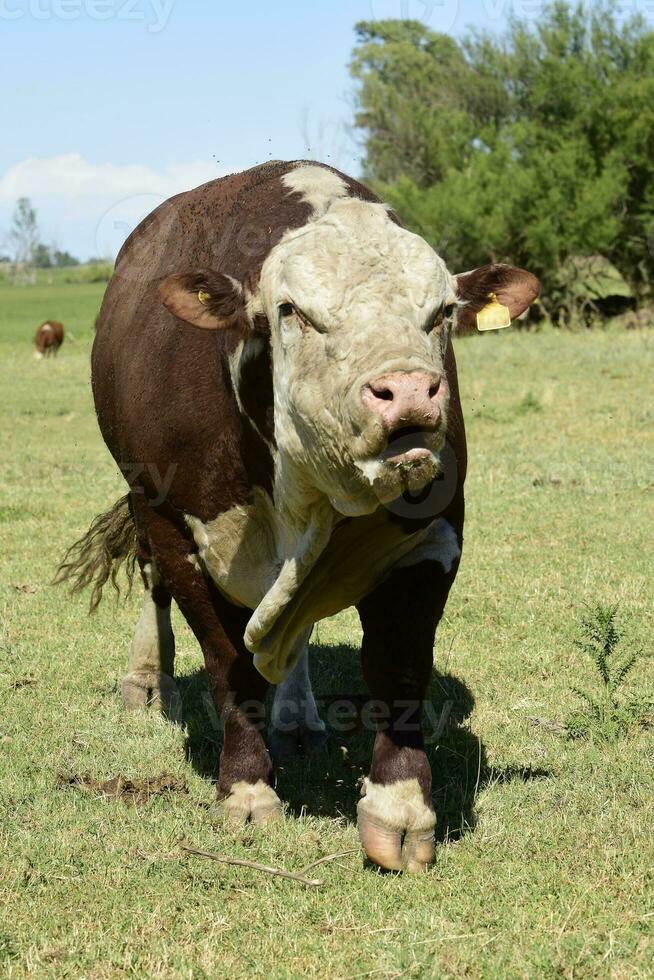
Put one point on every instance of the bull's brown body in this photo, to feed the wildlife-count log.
(170, 416)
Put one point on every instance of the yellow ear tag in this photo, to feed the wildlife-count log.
(493, 316)
(204, 297)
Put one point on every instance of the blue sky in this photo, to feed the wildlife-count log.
(117, 104)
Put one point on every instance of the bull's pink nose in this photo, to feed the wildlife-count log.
(405, 398)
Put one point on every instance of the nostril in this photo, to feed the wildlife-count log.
(382, 392)
(434, 388)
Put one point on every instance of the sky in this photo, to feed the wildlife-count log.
(111, 106)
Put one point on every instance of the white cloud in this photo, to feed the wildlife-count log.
(71, 176)
(90, 208)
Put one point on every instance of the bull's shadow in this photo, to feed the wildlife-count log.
(328, 783)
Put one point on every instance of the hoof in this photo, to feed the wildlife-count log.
(152, 690)
(395, 825)
(284, 745)
(249, 802)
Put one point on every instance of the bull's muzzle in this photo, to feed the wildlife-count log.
(406, 399)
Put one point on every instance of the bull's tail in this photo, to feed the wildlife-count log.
(109, 543)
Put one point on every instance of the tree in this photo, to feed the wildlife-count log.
(42, 258)
(24, 233)
(64, 259)
(411, 100)
(527, 148)
(28, 249)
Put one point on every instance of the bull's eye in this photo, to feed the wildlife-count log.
(445, 313)
(305, 322)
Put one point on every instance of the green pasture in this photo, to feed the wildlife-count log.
(545, 866)
(24, 308)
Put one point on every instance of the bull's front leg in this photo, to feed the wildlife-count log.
(396, 817)
(238, 690)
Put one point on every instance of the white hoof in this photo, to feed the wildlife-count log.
(396, 826)
(152, 689)
(255, 802)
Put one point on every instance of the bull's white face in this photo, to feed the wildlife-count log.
(359, 312)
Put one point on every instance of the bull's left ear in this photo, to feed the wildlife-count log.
(493, 295)
(205, 299)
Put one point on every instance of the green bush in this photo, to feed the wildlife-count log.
(91, 272)
(527, 148)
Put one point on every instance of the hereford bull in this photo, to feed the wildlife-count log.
(49, 338)
(273, 371)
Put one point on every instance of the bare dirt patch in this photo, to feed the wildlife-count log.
(130, 791)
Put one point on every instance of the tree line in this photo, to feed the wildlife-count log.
(24, 240)
(535, 147)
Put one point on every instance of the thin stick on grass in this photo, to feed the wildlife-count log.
(329, 857)
(254, 866)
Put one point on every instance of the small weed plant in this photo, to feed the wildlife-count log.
(606, 714)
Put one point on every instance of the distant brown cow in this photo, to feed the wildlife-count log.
(49, 338)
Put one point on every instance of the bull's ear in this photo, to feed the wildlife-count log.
(205, 299)
(493, 295)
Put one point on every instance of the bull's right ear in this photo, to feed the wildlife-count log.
(204, 299)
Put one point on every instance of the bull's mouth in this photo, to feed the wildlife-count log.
(409, 461)
(406, 446)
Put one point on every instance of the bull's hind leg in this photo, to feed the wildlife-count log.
(295, 722)
(149, 679)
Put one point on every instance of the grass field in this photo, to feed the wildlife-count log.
(545, 865)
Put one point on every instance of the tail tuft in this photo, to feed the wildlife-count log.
(109, 543)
